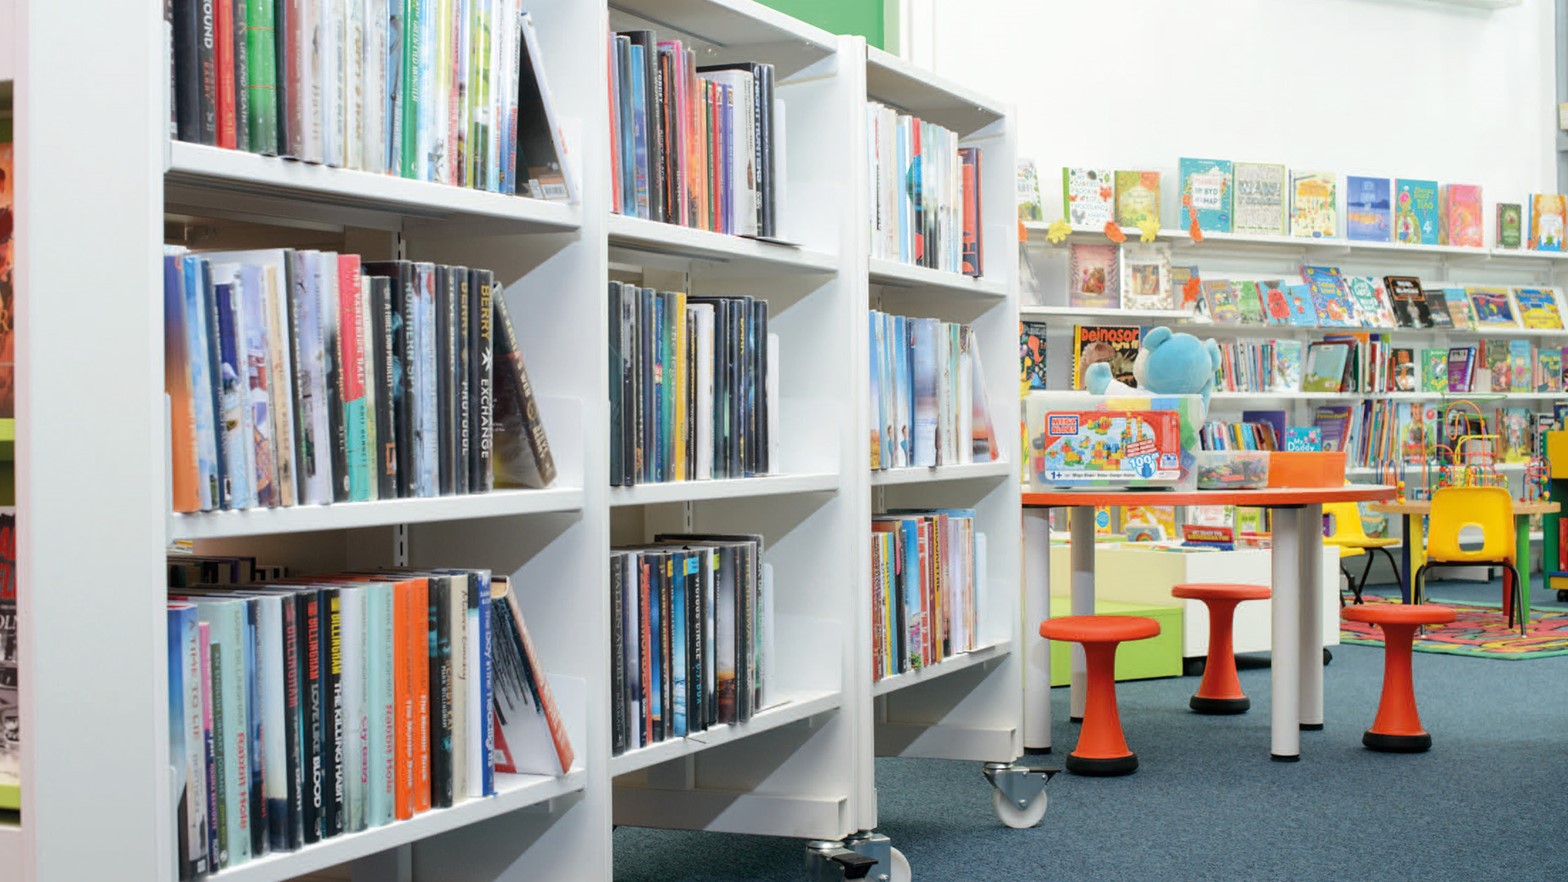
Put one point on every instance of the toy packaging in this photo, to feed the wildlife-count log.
(1112, 441)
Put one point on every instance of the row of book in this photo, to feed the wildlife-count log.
(691, 636)
(1261, 366)
(1378, 431)
(1370, 363)
(307, 377)
(694, 387)
(450, 92)
(925, 193)
(928, 398)
(303, 709)
(928, 575)
(693, 145)
(1264, 199)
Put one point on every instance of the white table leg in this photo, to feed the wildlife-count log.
(1082, 526)
(1285, 639)
(1310, 603)
(1037, 649)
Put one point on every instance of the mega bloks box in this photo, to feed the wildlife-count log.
(1127, 441)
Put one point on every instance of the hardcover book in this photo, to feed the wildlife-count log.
(1461, 204)
(1521, 366)
(1402, 364)
(1303, 311)
(1031, 355)
(1459, 311)
(1417, 220)
(1137, 197)
(1409, 302)
(1437, 308)
(1538, 308)
(1276, 302)
(1286, 367)
(1368, 214)
(1220, 296)
(1334, 307)
(1498, 360)
(1249, 303)
(1326, 364)
(1372, 306)
(1206, 183)
(1548, 222)
(1314, 209)
(1092, 276)
(1260, 198)
(1461, 368)
(1510, 224)
(1333, 421)
(1146, 275)
(1551, 370)
(1116, 345)
(10, 662)
(1028, 192)
(1088, 197)
(1434, 370)
(1491, 306)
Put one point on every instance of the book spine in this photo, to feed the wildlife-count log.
(382, 689)
(617, 655)
(273, 284)
(383, 368)
(187, 744)
(352, 384)
(421, 639)
(445, 378)
(222, 35)
(486, 705)
(428, 399)
(308, 607)
(440, 678)
(332, 708)
(332, 358)
(463, 405)
(241, 41)
(462, 673)
(403, 696)
(177, 371)
(293, 650)
(413, 24)
(189, 73)
(480, 366)
(261, 77)
(356, 737)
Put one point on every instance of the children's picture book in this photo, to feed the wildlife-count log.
(1516, 428)
(1276, 301)
(1461, 368)
(1459, 311)
(1031, 355)
(1187, 287)
(1303, 311)
(1260, 198)
(1314, 207)
(1303, 439)
(1371, 303)
(1510, 224)
(1548, 221)
(1417, 220)
(1334, 307)
(1248, 302)
(1286, 369)
(1538, 308)
(1491, 306)
(1498, 364)
(1333, 423)
(1521, 366)
(1551, 370)
(1028, 192)
(1402, 363)
(1461, 204)
(1325, 367)
(1088, 197)
(1116, 345)
(1207, 184)
(1221, 299)
(1092, 275)
(1437, 307)
(1137, 197)
(1146, 276)
(1409, 301)
(1434, 370)
(1368, 217)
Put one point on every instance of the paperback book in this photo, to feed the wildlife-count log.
(1137, 198)
(1093, 279)
(1416, 217)
(1334, 307)
(1491, 306)
(1462, 215)
(1368, 214)
(1028, 192)
(1221, 299)
(1088, 197)
(1510, 224)
(1548, 220)
(1260, 206)
(1538, 308)
(1116, 345)
(1206, 184)
(1314, 207)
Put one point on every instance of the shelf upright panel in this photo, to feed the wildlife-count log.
(90, 452)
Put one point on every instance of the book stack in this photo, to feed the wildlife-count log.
(928, 399)
(691, 637)
(453, 93)
(303, 709)
(927, 587)
(694, 387)
(925, 193)
(693, 145)
(1376, 432)
(1221, 435)
(307, 378)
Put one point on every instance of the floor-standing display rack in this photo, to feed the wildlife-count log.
(101, 187)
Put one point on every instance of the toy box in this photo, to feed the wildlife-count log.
(1080, 440)
(1233, 469)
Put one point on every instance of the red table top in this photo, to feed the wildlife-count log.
(1265, 498)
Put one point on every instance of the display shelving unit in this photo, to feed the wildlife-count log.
(93, 470)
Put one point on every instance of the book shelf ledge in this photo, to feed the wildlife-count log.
(380, 513)
(726, 24)
(1199, 326)
(793, 708)
(1173, 316)
(1182, 239)
(513, 792)
(1297, 395)
(745, 256)
(725, 488)
(963, 660)
(892, 80)
(893, 274)
(208, 178)
(1368, 472)
(962, 472)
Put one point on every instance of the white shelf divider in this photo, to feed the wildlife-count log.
(791, 709)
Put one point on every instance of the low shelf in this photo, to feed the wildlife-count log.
(723, 488)
(379, 513)
(978, 656)
(893, 274)
(651, 240)
(964, 472)
(792, 708)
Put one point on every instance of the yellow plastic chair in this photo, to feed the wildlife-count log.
(1350, 537)
(1492, 510)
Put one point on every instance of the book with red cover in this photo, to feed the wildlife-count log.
(970, 156)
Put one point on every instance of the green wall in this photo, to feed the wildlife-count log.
(863, 17)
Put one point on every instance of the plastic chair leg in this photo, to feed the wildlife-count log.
(1512, 580)
(1391, 561)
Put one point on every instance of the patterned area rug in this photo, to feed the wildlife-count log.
(1480, 631)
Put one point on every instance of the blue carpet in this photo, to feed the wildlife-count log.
(1207, 803)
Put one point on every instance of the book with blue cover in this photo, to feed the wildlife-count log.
(1538, 308)
(1521, 365)
(1417, 218)
(1368, 214)
(1207, 182)
(1334, 307)
(1303, 310)
(1491, 306)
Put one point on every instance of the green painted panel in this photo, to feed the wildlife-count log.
(863, 17)
(1136, 659)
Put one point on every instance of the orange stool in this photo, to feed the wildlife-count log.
(1397, 727)
(1220, 691)
(1101, 750)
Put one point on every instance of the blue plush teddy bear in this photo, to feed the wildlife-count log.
(1168, 363)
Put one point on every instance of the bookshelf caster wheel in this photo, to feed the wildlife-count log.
(1009, 812)
(899, 871)
(1562, 595)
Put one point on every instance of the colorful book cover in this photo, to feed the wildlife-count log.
(1368, 214)
(1437, 309)
(1548, 222)
(1114, 344)
(1092, 276)
(1434, 370)
(1510, 224)
(1249, 302)
(1206, 183)
(1402, 364)
(1538, 308)
(1303, 439)
(1334, 307)
(1417, 220)
(1491, 306)
(1276, 301)
(10, 662)
(1314, 209)
(1260, 198)
(1303, 311)
(1459, 311)
(1286, 367)
(1186, 287)
(1499, 364)
(1515, 426)
(1521, 365)
(1551, 370)
(1461, 204)
(1028, 192)
(1371, 302)
(1146, 275)
(1333, 422)
(1325, 367)
(1409, 302)
(1137, 197)
(1220, 297)
(1031, 355)
(1088, 197)
(258, 377)
(1461, 368)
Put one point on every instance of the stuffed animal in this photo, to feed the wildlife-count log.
(1168, 363)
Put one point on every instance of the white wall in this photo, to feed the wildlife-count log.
(1404, 88)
